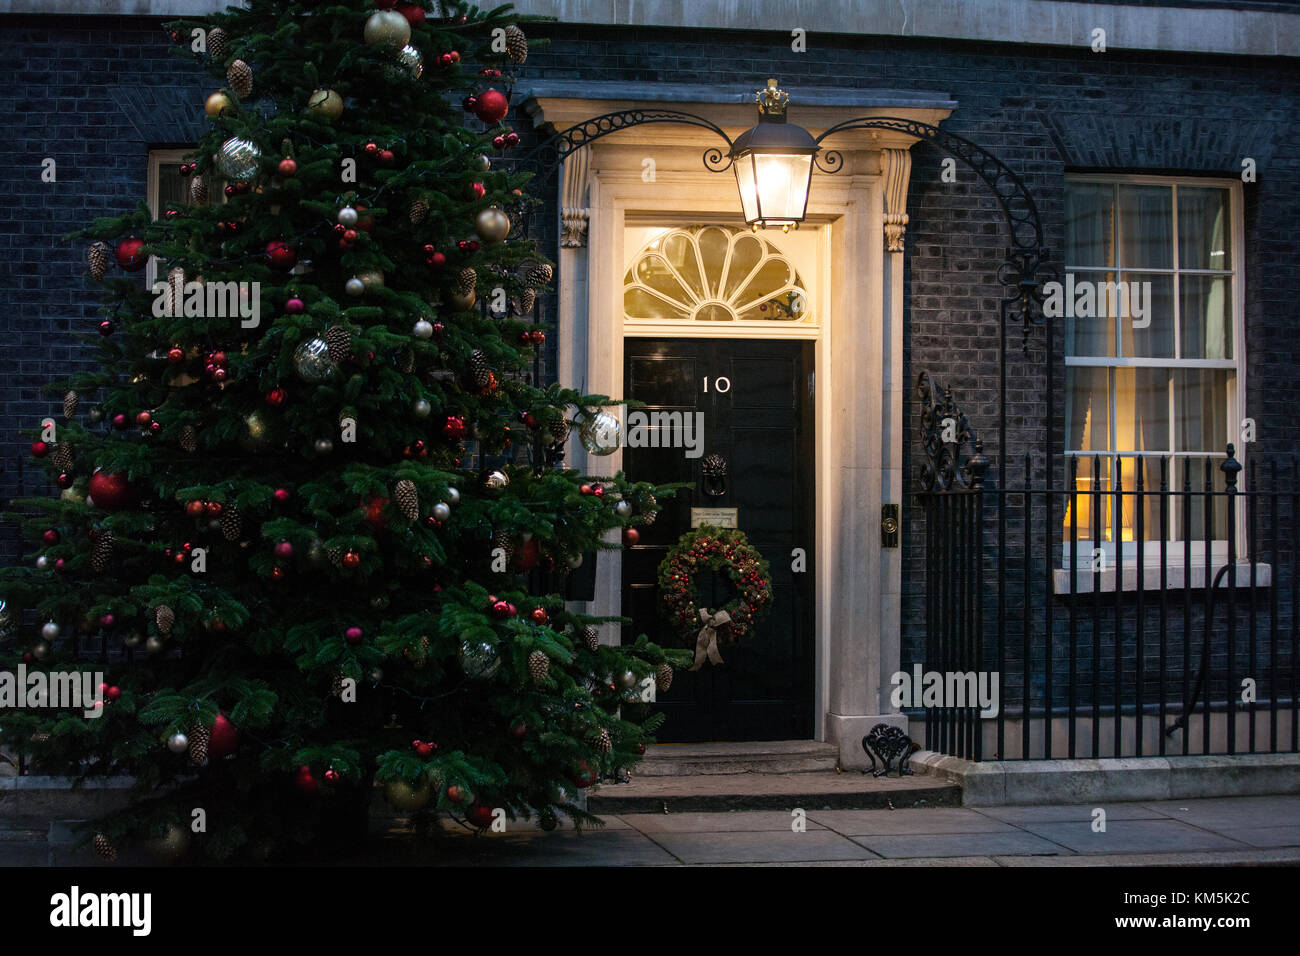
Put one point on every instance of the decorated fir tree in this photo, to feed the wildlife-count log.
(314, 524)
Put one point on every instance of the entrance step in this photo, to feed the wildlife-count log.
(821, 790)
(776, 756)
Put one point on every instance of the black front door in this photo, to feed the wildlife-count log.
(756, 397)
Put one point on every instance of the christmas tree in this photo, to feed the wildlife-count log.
(315, 526)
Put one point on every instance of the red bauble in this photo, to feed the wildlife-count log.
(477, 191)
(501, 609)
(194, 509)
(130, 255)
(453, 429)
(214, 508)
(294, 306)
(223, 738)
(455, 794)
(387, 157)
(175, 356)
(332, 777)
(598, 491)
(50, 536)
(351, 560)
(305, 782)
(519, 731)
(107, 328)
(479, 815)
(143, 418)
(353, 635)
(276, 396)
(538, 614)
(40, 449)
(584, 489)
(283, 549)
(372, 149)
(282, 255)
(583, 776)
(413, 14)
(110, 492)
(281, 495)
(631, 536)
(119, 421)
(491, 106)
(288, 168)
(528, 555)
(113, 693)
(537, 336)
(64, 480)
(375, 514)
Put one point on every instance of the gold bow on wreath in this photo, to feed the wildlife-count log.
(706, 645)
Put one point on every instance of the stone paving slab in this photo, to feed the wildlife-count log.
(1020, 816)
(765, 847)
(558, 848)
(1221, 812)
(892, 822)
(1133, 836)
(1265, 837)
(735, 821)
(961, 844)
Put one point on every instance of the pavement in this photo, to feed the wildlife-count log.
(1224, 831)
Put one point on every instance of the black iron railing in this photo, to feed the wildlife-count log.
(1148, 607)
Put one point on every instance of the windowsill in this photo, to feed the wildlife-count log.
(1177, 577)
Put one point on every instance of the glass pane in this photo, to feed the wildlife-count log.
(1204, 235)
(1201, 400)
(1148, 502)
(1197, 469)
(1146, 227)
(640, 304)
(1205, 315)
(1090, 503)
(713, 312)
(1089, 224)
(713, 250)
(1142, 409)
(1146, 301)
(653, 271)
(745, 255)
(680, 251)
(1088, 329)
(1087, 410)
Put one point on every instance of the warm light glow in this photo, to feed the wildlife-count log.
(774, 187)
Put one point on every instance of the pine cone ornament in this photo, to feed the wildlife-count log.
(240, 77)
(419, 209)
(504, 541)
(406, 362)
(218, 43)
(466, 279)
(407, 498)
(232, 523)
(559, 429)
(70, 403)
(335, 556)
(62, 456)
(478, 369)
(336, 685)
(97, 260)
(189, 438)
(338, 338)
(592, 636)
(604, 743)
(649, 507)
(516, 44)
(199, 735)
(538, 665)
(104, 848)
(198, 191)
(165, 618)
(422, 651)
(101, 550)
(663, 678)
(539, 274)
(527, 299)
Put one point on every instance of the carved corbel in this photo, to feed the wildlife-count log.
(895, 170)
(573, 207)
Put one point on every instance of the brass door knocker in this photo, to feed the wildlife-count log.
(714, 470)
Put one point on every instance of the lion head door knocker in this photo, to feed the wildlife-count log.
(714, 470)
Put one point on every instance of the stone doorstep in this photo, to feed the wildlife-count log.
(780, 756)
(995, 783)
(762, 791)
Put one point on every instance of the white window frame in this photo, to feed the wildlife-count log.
(1237, 396)
(157, 159)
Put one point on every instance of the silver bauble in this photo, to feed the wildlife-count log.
(376, 674)
(40, 650)
(600, 433)
(324, 446)
(628, 679)
(492, 225)
(6, 620)
(354, 286)
(407, 63)
(387, 28)
(312, 361)
(423, 329)
(484, 163)
(96, 414)
(479, 659)
(453, 496)
(496, 480)
(178, 743)
(239, 159)
(43, 562)
(575, 561)
(347, 217)
(154, 644)
(623, 509)
(422, 408)
(441, 512)
(50, 631)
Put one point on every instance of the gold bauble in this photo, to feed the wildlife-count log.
(461, 300)
(388, 28)
(371, 279)
(73, 494)
(170, 846)
(492, 225)
(405, 797)
(325, 105)
(217, 103)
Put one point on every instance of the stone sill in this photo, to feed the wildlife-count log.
(1177, 577)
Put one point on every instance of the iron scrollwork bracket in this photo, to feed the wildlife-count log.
(946, 435)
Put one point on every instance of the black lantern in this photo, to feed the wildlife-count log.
(774, 162)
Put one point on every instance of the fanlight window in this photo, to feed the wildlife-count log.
(713, 274)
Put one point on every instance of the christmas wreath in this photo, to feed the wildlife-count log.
(715, 549)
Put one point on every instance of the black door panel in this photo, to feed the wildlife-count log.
(762, 424)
